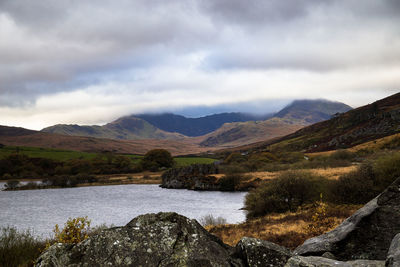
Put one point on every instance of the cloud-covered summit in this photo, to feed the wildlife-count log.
(89, 62)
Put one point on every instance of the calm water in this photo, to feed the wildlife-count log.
(40, 210)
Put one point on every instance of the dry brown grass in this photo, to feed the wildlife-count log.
(134, 178)
(288, 229)
(329, 173)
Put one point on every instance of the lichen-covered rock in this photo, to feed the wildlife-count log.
(260, 253)
(312, 261)
(393, 257)
(367, 234)
(163, 239)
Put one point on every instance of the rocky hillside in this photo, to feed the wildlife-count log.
(370, 237)
(125, 128)
(370, 122)
(241, 133)
(298, 114)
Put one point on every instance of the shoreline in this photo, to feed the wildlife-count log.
(104, 180)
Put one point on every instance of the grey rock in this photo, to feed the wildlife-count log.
(163, 239)
(260, 253)
(393, 257)
(313, 261)
(366, 234)
(329, 255)
(194, 177)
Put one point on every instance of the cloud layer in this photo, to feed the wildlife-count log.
(90, 62)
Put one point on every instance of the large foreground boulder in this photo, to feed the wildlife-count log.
(393, 257)
(260, 253)
(313, 261)
(163, 239)
(367, 234)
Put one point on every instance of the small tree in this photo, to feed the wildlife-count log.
(156, 159)
(75, 230)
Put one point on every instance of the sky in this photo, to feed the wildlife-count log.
(90, 62)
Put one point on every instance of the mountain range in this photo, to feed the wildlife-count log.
(135, 134)
(232, 125)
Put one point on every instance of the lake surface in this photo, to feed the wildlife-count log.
(40, 210)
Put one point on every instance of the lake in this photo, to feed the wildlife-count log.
(40, 210)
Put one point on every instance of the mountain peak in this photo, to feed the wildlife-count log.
(308, 111)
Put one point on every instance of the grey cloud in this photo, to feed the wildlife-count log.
(55, 46)
(256, 12)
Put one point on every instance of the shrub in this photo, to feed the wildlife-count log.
(235, 157)
(291, 157)
(230, 182)
(393, 143)
(357, 187)
(342, 154)
(387, 169)
(75, 230)
(320, 221)
(211, 220)
(232, 169)
(285, 193)
(18, 248)
(156, 159)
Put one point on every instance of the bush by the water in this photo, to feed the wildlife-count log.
(285, 193)
(234, 182)
(19, 248)
(155, 159)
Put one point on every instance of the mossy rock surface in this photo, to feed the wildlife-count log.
(163, 239)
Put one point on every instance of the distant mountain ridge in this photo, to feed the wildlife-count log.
(197, 126)
(218, 129)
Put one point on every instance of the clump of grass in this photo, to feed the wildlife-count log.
(19, 248)
(209, 220)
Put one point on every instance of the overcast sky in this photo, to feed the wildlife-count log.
(89, 62)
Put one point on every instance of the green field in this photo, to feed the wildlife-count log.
(185, 161)
(64, 155)
(48, 153)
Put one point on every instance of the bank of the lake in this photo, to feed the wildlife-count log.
(40, 210)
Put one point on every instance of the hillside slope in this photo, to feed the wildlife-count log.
(241, 133)
(293, 117)
(370, 122)
(125, 128)
(14, 136)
